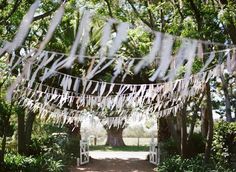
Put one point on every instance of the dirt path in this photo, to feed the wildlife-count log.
(118, 161)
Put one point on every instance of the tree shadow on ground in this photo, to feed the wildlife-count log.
(116, 165)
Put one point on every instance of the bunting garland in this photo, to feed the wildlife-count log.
(77, 97)
(142, 98)
(67, 115)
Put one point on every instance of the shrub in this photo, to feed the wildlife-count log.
(56, 147)
(171, 147)
(196, 144)
(224, 141)
(195, 164)
(16, 162)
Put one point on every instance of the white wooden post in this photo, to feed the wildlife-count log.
(153, 152)
(84, 152)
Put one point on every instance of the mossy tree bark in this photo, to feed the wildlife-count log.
(115, 136)
(73, 145)
(25, 128)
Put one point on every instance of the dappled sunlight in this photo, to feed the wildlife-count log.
(116, 165)
(125, 155)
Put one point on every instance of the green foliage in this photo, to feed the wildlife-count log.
(4, 112)
(170, 146)
(72, 149)
(196, 144)
(16, 162)
(195, 164)
(52, 147)
(224, 141)
(49, 164)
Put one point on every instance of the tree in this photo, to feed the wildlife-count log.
(6, 110)
(115, 136)
(208, 20)
(115, 133)
(26, 120)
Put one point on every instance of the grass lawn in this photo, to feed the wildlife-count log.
(121, 148)
(128, 141)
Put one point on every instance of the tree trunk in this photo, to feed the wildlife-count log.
(73, 144)
(183, 129)
(4, 139)
(28, 130)
(114, 136)
(25, 127)
(192, 125)
(178, 131)
(209, 115)
(227, 98)
(204, 122)
(229, 25)
(172, 127)
(163, 134)
(21, 133)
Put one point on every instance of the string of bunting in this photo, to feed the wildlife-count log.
(67, 115)
(150, 108)
(148, 94)
(115, 102)
(163, 47)
(130, 96)
(72, 83)
(151, 91)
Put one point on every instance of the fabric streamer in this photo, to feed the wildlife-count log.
(179, 59)
(82, 30)
(22, 30)
(233, 61)
(166, 51)
(121, 36)
(43, 63)
(52, 27)
(209, 60)
(105, 37)
(228, 62)
(190, 58)
(152, 55)
(117, 69)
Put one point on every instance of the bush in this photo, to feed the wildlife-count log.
(171, 147)
(48, 164)
(196, 144)
(195, 164)
(224, 142)
(56, 147)
(16, 162)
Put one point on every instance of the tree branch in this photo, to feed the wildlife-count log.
(14, 9)
(150, 15)
(176, 3)
(137, 13)
(197, 14)
(110, 13)
(3, 4)
(44, 15)
(109, 7)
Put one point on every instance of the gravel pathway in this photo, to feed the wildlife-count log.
(116, 161)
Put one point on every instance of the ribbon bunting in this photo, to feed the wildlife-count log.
(72, 98)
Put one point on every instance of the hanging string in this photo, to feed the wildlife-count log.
(115, 56)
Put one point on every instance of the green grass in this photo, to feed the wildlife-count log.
(120, 148)
(129, 141)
